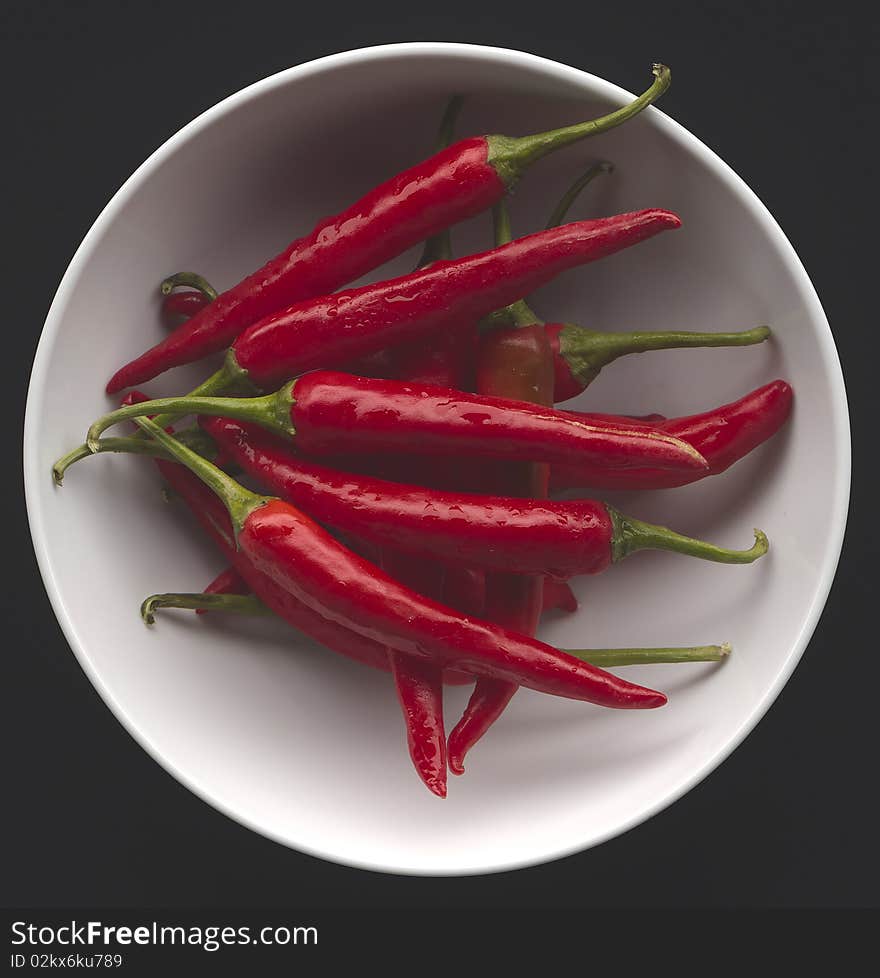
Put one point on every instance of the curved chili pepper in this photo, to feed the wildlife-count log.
(452, 185)
(212, 515)
(516, 363)
(308, 563)
(723, 436)
(326, 412)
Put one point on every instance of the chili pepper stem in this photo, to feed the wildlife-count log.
(631, 535)
(240, 502)
(195, 438)
(641, 657)
(573, 192)
(133, 445)
(190, 279)
(587, 351)
(271, 411)
(236, 604)
(228, 378)
(511, 155)
(250, 604)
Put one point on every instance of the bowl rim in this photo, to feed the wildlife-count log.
(596, 86)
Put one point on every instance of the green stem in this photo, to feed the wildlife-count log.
(239, 502)
(641, 657)
(439, 247)
(236, 604)
(194, 437)
(250, 604)
(510, 155)
(573, 192)
(586, 351)
(271, 411)
(630, 535)
(190, 279)
(501, 224)
(228, 378)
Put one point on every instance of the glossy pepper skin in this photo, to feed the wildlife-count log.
(335, 413)
(454, 184)
(335, 329)
(723, 436)
(327, 413)
(559, 538)
(320, 573)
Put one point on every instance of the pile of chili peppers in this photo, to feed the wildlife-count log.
(364, 411)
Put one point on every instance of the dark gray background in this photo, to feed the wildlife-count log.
(785, 96)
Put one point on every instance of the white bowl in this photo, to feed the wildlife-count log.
(305, 747)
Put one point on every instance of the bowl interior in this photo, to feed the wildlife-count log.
(306, 747)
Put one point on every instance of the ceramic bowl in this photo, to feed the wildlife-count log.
(305, 747)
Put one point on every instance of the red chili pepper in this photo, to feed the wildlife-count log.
(326, 412)
(723, 436)
(515, 363)
(308, 563)
(579, 354)
(452, 185)
(560, 538)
